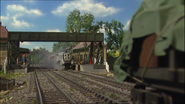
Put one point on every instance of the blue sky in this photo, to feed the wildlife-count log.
(49, 15)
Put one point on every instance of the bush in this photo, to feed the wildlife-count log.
(113, 53)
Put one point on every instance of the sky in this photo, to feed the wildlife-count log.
(50, 15)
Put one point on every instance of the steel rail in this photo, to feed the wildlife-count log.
(68, 97)
(113, 89)
(88, 89)
(109, 80)
(107, 77)
(38, 88)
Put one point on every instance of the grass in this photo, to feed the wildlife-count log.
(112, 95)
(48, 81)
(9, 97)
(88, 94)
(34, 101)
(83, 77)
(11, 75)
(104, 74)
(97, 89)
(72, 89)
(1, 96)
(82, 80)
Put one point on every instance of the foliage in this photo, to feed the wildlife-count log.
(63, 45)
(82, 22)
(37, 58)
(113, 53)
(11, 75)
(115, 33)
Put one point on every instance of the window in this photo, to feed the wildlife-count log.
(3, 46)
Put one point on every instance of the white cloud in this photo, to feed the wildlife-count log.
(127, 25)
(97, 9)
(24, 43)
(22, 11)
(16, 23)
(54, 30)
(5, 18)
(37, 47)
(16, 11)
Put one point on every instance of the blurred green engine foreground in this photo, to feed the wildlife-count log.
(152, 53)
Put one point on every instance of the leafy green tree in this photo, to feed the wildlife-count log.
(82, 22)
(115, 33)
(63, 45)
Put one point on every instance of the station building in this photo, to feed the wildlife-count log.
(3, 46)
(81, 50)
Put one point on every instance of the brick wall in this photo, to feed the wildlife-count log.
(3, 38)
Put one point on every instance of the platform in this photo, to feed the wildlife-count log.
(17, 68)
(89, 68)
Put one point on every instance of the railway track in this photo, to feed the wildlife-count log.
(54, 92)
(109, 78)
(111, 82)
(102, 88)
(50, 93)
(93, 95)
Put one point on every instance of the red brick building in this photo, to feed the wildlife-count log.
(3, 43)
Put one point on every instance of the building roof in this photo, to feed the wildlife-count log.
(81, 45)
(24, 50)
(3, 31)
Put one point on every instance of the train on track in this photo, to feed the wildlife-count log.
(61, 59)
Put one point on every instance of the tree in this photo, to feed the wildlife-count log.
(63, 45)
(37, 58)
(82, 22)
(115, 33)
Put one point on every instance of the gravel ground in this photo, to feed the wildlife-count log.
(81, 76)
(50, 92)
(106, 75)
(125, 87)
(98, 87)
(73, 92)
(20, 93)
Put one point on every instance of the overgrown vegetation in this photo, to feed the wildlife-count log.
(34, 101)
(72, 89)
(104, 74)
(83, 77)
(113, 53)
(85, 23)
(112, 95)
(11, 75)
